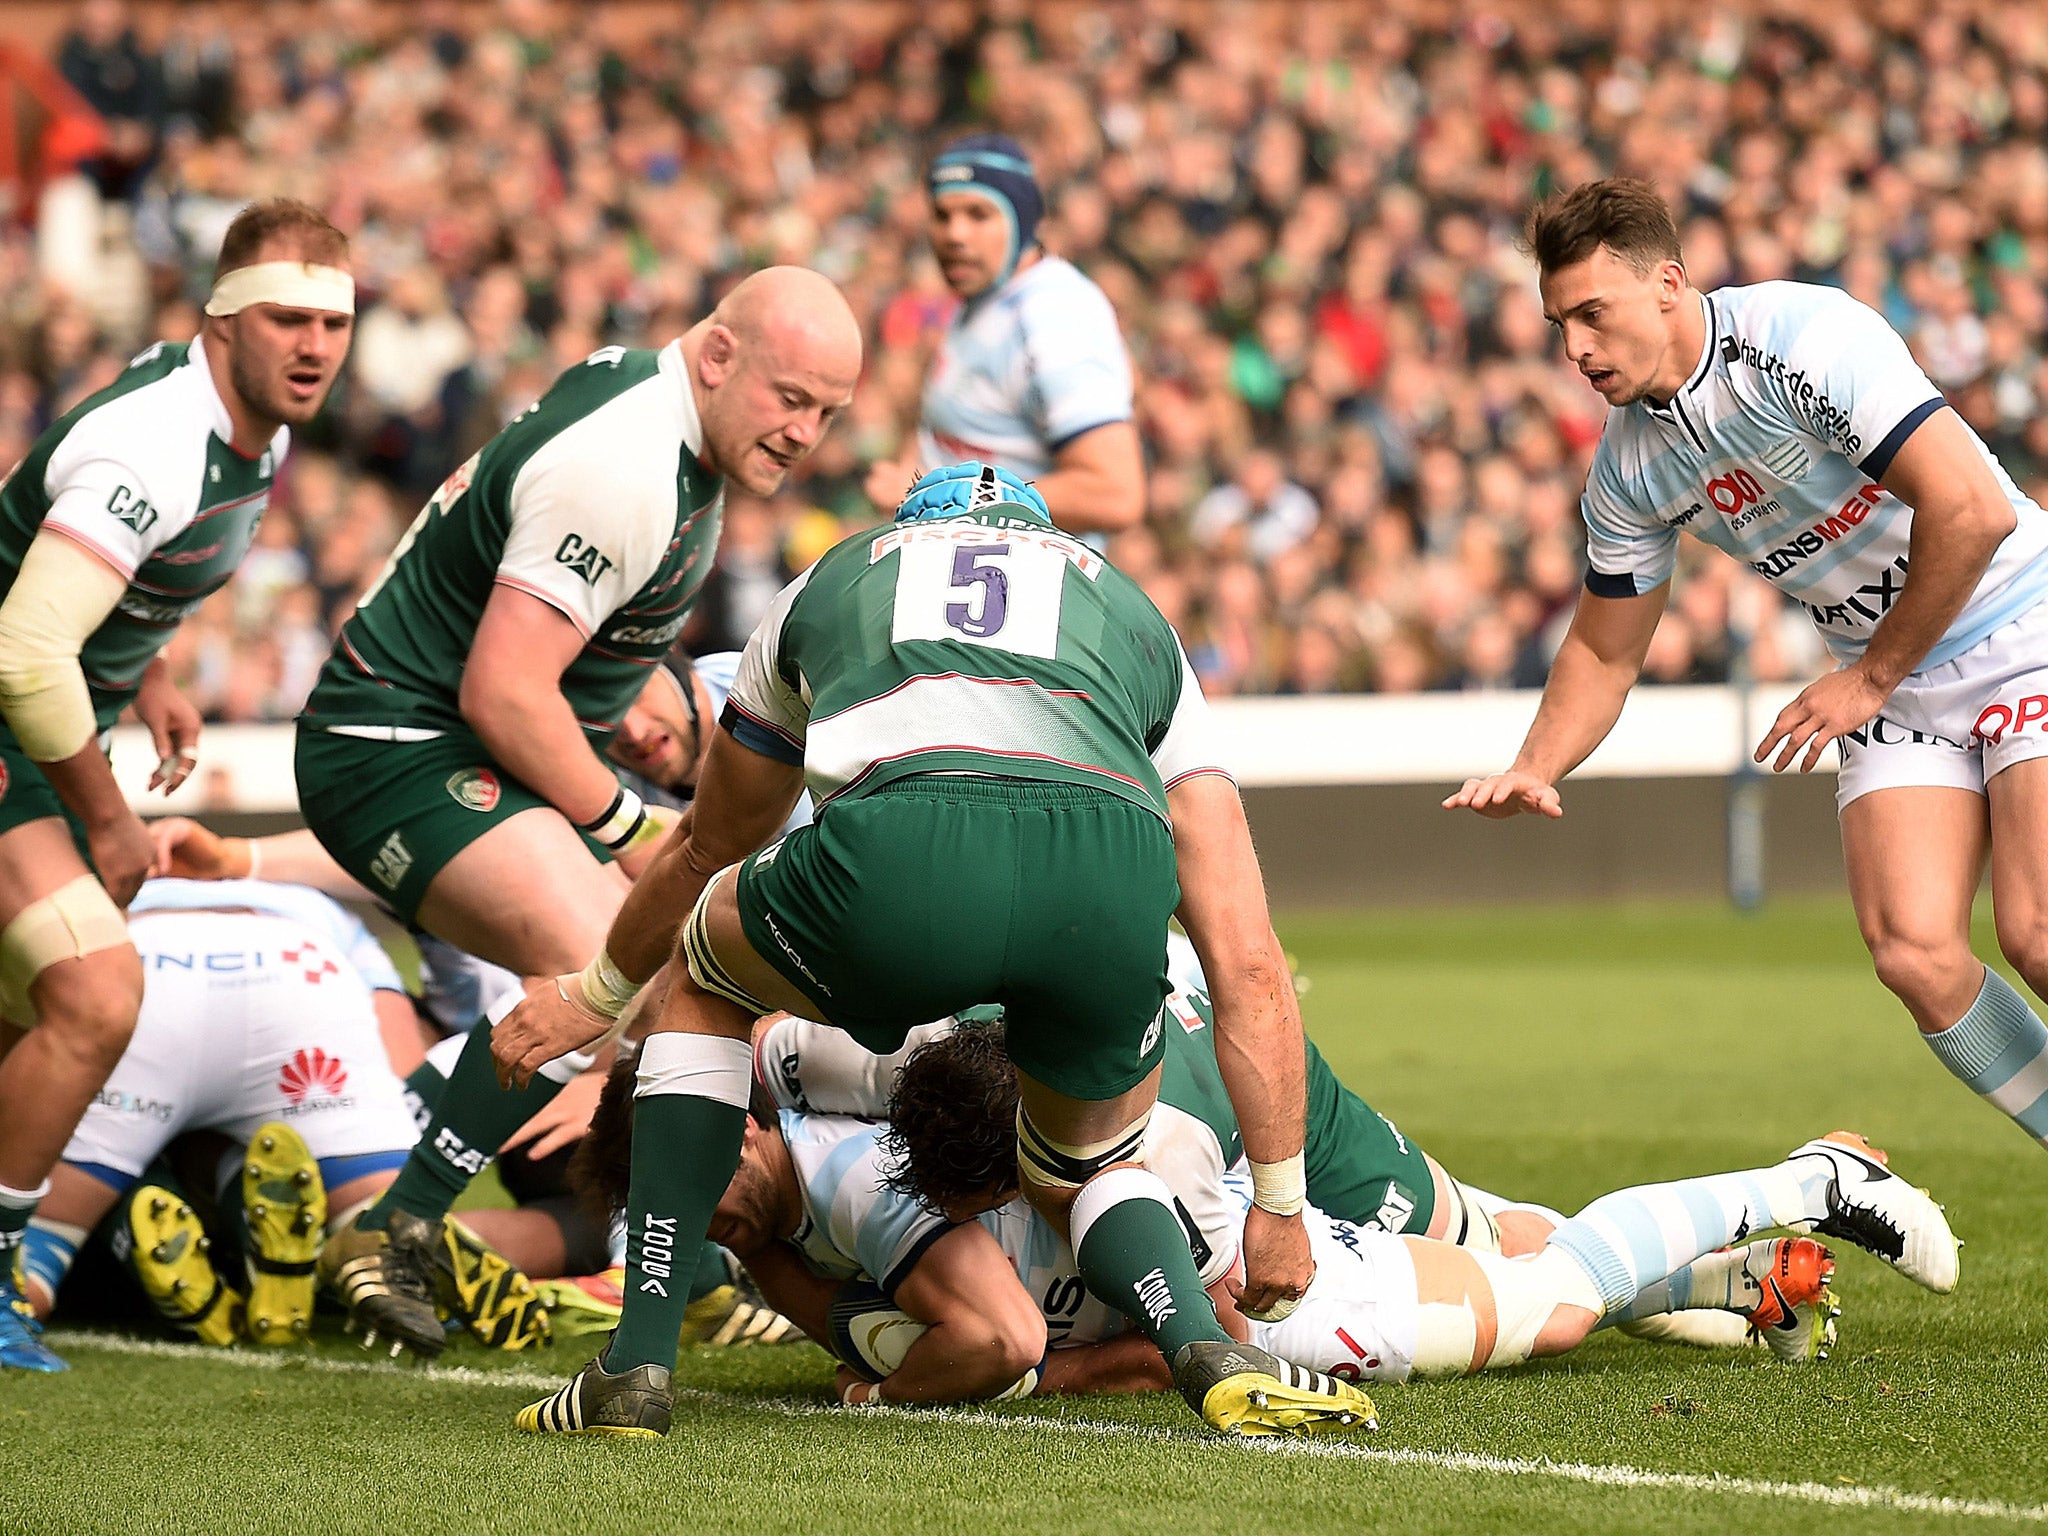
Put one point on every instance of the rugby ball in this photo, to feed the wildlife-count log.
(870, 1334)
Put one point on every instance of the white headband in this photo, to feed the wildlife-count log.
(299, 284)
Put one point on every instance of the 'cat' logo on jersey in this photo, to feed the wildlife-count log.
(127, 507)
(392, 861)
(586, 560)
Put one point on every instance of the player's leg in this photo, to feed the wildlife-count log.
(693, 1082)
(67, 968)
(78, 1201)
(1085, 986)
(2000, 1047)
(526, 894)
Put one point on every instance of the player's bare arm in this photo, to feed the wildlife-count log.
(533, 730)
(1097, 483)
(1598, 663)
(1258, 1019)
(983, 1330)
(1960, 517)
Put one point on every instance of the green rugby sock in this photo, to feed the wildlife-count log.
(472, 1120)
(1133, 1253)
(689, 1118)
(711, 1272)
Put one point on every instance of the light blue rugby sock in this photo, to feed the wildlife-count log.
(2000, 1050)
(1634, 1239)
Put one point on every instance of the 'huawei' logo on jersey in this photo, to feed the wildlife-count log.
(310, 1072)
(317, 967)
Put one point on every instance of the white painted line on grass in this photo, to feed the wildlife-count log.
(1598, 1475)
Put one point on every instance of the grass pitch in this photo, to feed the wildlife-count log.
(1546, 1054)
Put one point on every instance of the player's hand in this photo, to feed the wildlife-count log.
(550, 1021)
(564, 1121)
(1513, 793)
(888, 482)
(1825, 711)
(1277, 1263)
(173, 728)
(187, 851)
(122, 854)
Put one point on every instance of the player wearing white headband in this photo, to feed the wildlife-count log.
(126, 515)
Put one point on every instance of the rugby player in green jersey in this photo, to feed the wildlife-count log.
(1016, 791)
(129, 511)
(451, 756)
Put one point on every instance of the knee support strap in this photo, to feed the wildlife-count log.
(705, 968)
(1056, 1165)
(73, 921)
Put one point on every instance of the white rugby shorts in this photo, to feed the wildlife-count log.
(1961, 724)
(245, 1019)
(1358, 1321)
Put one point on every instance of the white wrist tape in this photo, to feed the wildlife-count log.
(607, 988)
(1282, 1187)
(295, 284)
(621, 821)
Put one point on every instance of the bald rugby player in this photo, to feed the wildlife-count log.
(451, 757)
(129, 511)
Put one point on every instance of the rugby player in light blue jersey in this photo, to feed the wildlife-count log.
(1032, 374)
(1788, 424)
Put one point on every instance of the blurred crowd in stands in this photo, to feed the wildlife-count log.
(1364, 450)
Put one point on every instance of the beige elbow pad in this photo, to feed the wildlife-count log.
(60, 596)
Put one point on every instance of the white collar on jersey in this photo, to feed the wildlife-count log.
(671, 363)
(1710, 339)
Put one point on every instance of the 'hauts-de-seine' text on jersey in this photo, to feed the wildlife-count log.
(981, 644)
(1025, 370)
(144, 474)
(1772, 451)
(592, 500)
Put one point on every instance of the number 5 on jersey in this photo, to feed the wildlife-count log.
(981, 587)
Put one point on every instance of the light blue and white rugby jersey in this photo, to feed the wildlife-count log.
(853, 1223)
(301, 903)
(1772, 451)
(1025, 370)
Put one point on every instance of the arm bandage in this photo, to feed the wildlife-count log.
(294, 284)
(60, 596)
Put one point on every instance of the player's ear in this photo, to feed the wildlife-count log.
(718, 357)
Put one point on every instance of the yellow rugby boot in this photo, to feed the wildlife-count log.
(286, 1204)
(168, 1252)
(490, 1294)
(590, 1303)
(1242, 1390)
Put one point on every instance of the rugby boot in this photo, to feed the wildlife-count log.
(1796, 1314)
(1242, 1390)
(286, 1204)
(491, 1295)
(169, 1252)
(21, 1336)
(1878, 1211)
(386, 1281)
(634, 1405)
(736, 1314)
(587, 1303)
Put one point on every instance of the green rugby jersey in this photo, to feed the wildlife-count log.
(981, 644)
(144, 474)
(592, 500)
